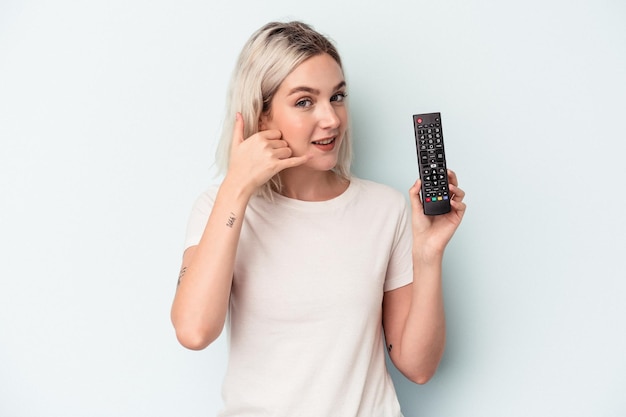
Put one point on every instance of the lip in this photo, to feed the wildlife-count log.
(324, 141)
(326, 145)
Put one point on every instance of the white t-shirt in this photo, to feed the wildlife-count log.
(305, 319)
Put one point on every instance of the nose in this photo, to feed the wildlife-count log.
(329, 119)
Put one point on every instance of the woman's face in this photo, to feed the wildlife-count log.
(310, 111)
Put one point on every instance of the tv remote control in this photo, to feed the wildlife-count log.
(431, 159)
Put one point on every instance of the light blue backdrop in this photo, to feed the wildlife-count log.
(109, 112)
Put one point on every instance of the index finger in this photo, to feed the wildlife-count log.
(452, 177)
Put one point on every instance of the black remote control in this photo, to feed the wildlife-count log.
(431, 159)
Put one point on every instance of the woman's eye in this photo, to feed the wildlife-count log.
(339, 97)
(305, 102)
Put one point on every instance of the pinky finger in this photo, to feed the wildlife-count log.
(458, 206)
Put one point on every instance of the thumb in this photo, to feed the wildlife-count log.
(238, 130)
(414, 195)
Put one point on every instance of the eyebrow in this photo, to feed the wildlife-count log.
(314, 91)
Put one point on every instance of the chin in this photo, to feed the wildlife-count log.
(324, 163)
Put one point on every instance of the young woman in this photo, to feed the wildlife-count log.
(317, 271)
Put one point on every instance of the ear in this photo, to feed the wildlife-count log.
(264, 121)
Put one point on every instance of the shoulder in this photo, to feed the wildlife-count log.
(381, 193)
(204, 202)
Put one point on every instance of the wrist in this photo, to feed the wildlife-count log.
(237, 188)
(425, 256)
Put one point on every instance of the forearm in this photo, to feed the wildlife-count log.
(201, 301)
(414, 317)
(424, 333)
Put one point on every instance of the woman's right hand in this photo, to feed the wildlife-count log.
(255, 160)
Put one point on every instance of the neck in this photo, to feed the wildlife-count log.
(310, 185)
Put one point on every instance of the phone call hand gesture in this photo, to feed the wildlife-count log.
(431, 234)
(255, 160)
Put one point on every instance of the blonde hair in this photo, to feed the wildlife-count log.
(268, 57)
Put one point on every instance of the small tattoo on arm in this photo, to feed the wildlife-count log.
(180, 275)
(231, 220)
(389, 348)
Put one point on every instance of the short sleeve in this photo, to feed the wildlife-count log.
(400, 267)
(199, 216)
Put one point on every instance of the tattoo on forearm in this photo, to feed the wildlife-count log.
(389, 348)
(231, 220)
(180, 275)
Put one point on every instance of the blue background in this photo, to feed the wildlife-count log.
(109, 114)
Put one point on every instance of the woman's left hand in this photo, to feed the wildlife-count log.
(431, 234)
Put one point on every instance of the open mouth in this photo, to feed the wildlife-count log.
(324, 142)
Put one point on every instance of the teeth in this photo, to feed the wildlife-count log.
(324, 142)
